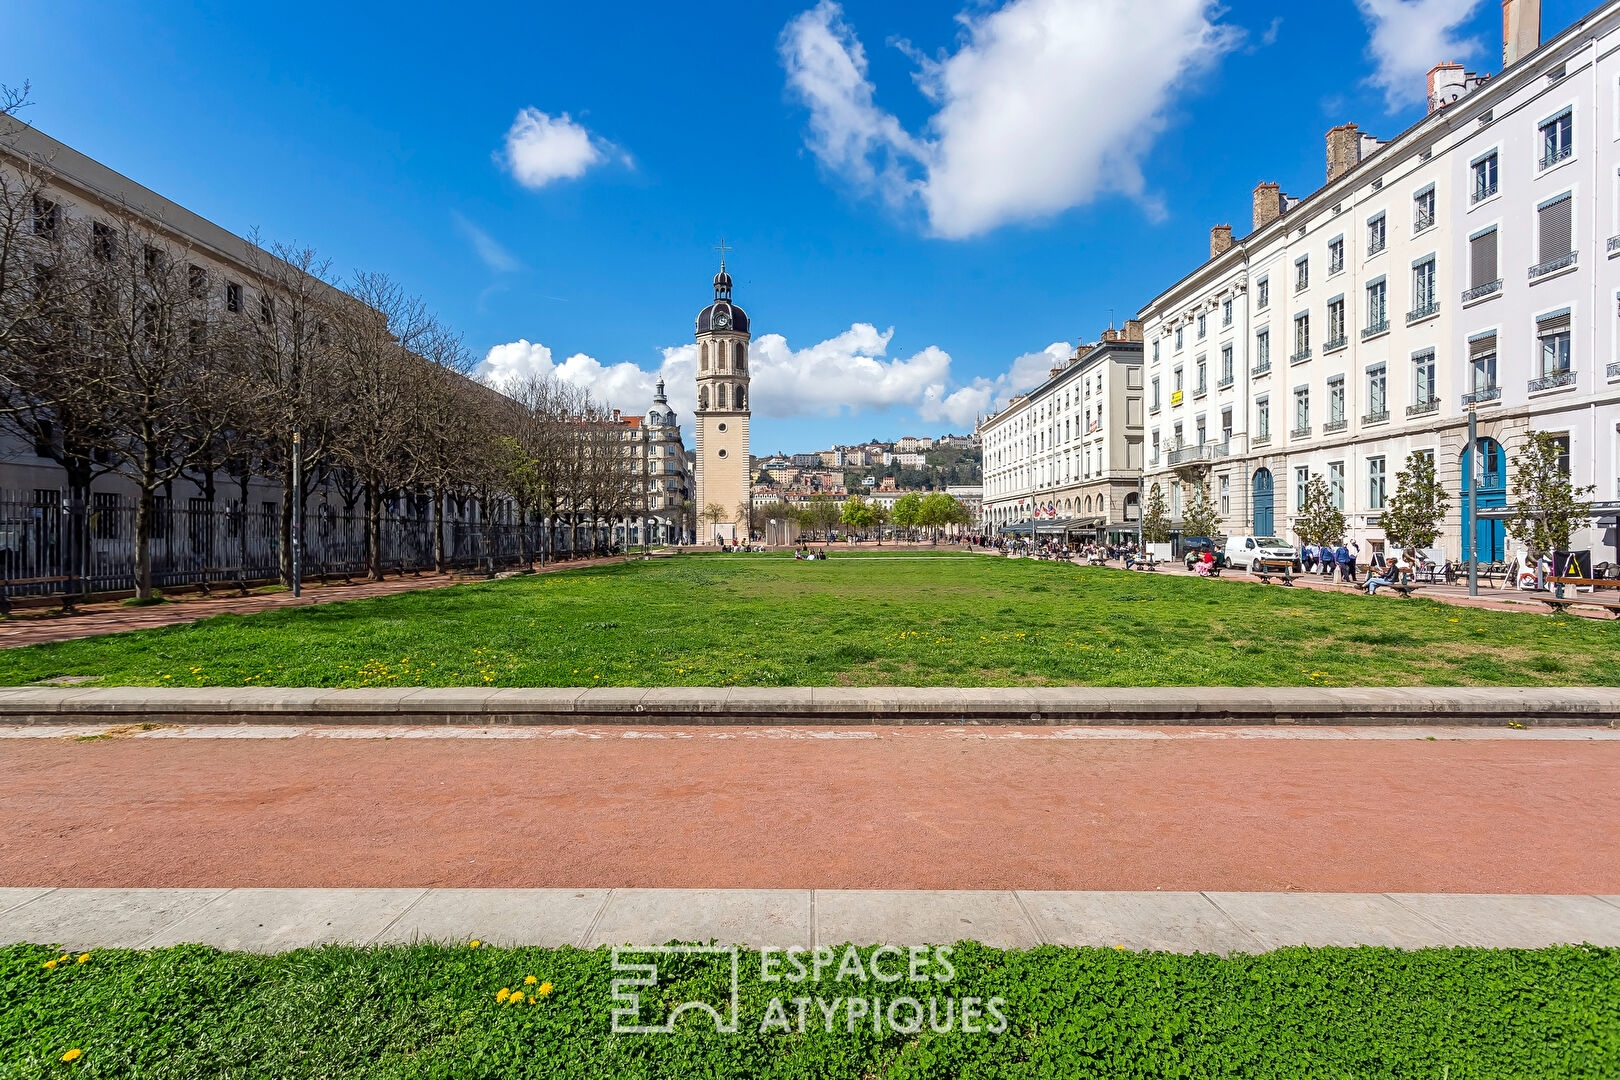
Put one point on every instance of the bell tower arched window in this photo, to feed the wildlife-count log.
(703, 397)
(703, 357)
(740, 353)
(720, 399)
(742, 397)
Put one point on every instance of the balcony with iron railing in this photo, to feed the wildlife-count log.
(1376, 417)
(1614, 370)
(1301, 356)
(1423, 311)
(1421, 220)
(1262, 439)
(1424, 407)
(1478, 291)
(1555, 155)
(1480, 397)
(1552, 381)
(1187, 455)
(1614, 244)
(1262, 368)
(1200, 390)
(1552, 266)
(1334, 344)
(1226, 381)
(1333, 427)
(1374, 329)
(1300, 432)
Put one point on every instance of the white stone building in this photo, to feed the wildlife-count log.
(1065, 458)
(1468, 261)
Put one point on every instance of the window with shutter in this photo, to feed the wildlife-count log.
(1553, 220)
(1482, 258)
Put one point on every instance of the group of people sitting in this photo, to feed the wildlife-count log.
(803, 552)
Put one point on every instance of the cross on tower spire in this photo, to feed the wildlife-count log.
(722, 248)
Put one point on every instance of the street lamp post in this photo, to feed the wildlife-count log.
(1470, 551)
(297, 537)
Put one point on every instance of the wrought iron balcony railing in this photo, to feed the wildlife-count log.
(1482, 290)
(1423, 408)
(1552, 266)
(1553, 381)
(1374, 329)
(1423, 311)
(1478, 397)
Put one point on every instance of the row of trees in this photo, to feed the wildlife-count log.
(913, 512)
(125, 351)
(1548, 506)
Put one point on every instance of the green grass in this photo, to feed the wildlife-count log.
(946, 621)
(431, 1011)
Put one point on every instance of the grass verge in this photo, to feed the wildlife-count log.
(433, 1010)
(917, 621)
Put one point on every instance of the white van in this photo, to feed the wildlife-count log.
(1243, 550)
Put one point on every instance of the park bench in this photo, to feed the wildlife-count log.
(6, 585)
(1561, 603)
(1266, 569)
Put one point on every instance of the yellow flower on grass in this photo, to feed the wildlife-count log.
(474, 944)
(543, 989)
(49, 964)
(83, 957)
(517, 997)
(529, 980)
(502, 994)
(72, 1055)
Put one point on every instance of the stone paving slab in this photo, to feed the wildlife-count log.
(1519, 922)
(1140, 921)
(758, 918)
(549, 917)
(897, 917)
(857, 706)
(102, 918)
(271, 920)
(267, 920)
(1333, 919)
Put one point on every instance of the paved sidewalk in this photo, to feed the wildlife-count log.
(1042, 705)
(271, 920)
(38, 627)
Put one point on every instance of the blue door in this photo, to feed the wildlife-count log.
(1490, 492)
(1264, 521)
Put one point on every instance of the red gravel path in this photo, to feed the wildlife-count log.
(911, 809)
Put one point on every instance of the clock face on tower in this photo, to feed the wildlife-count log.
(722, 319)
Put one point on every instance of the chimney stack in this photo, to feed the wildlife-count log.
(1521, 30)
(1268, 204)
(1220, 240)
(1343, 150)
(1133, 330)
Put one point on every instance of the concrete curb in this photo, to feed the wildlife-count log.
(272, 920)
(866, 706)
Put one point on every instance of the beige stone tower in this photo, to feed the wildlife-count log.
(722, 475)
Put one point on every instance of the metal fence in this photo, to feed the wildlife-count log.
(52, 545)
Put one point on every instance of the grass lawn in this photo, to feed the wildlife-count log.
(958, 620)
(432, 1011)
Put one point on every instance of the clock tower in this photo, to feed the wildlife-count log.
(722, 474)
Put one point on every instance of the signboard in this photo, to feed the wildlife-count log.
(1576, 564)
(1175, 397)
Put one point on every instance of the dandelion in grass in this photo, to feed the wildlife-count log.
(516, 998)
(72, 1055)
(503, 993)
(474, 943)
(543, 989)
(83, 957)
(529, 980)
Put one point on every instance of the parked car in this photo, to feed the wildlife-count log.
(1193, 548)
(1243, 550)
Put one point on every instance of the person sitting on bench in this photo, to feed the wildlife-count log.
(1393, 574)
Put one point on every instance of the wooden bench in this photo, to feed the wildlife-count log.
(1266, 569)
(1560, 603)
(5, 590)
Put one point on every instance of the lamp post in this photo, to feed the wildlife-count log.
(297, 537)
(1470, 496)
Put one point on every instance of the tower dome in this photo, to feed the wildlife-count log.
(722, 314)
(660, 415)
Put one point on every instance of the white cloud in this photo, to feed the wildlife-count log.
(488, 249)
(1408, 38)
(1046, 104)
(844, 375)
(961, 407)
(541, 148)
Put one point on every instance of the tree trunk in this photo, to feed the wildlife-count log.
(285, 526)
(374, 560)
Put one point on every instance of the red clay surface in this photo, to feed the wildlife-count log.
(910, 809)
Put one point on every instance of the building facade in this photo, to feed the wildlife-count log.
(1066, 457)
(1466, 264)
(669, 495)
(721, 480)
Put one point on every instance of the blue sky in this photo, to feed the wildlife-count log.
(923, 198)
